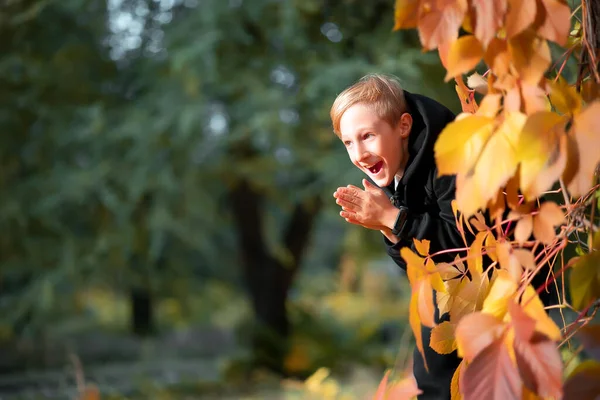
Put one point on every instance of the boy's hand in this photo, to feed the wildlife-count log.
(369, 208)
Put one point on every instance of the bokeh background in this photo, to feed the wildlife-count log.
(167, 225)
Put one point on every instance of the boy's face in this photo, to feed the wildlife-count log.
(375, 147)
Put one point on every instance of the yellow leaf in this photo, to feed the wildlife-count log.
(467, 297)
(524, 228)
(493, 172)
(542, 152)
(534, 307)
(502, 290)
(422, 246)
(442, 338)
(460, 143)
(415, 324)
(434, 276)
(530, 55)
(415, 265)
(464, 55)
(426, 306)
(406, 13)
(584, 142)
(490, 247)
(564, 97)
(455, 383)
(489, 105)
(474, 260)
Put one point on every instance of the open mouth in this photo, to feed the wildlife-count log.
(376, 168)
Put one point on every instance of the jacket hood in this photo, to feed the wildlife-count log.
(429, 119)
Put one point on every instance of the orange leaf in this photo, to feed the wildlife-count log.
(497, 57)
(549, 216)
(590, 90)
(439, 21)
(406, 389)
(465, 53)
(442, 338)
(466, 96)
(553, 21)
(584, 142)
(491, 375)
(530, 55)
(382, 388)
(521, 14)
(406, 14)
(534, 98)
(538, 359)
(542, 153)
(475, 332)
(489, 16)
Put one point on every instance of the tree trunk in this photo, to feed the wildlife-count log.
(142, 312)
(268, 280)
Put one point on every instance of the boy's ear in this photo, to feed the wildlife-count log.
(405, 125)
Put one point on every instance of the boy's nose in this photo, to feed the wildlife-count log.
(360, 153)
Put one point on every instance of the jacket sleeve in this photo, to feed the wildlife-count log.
(437, 225)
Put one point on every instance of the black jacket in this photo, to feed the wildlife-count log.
(427, 196)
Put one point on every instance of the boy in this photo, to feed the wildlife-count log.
(389, 135)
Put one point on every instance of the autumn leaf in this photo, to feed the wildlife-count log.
(503, 288)
(584, 280)
(491, 375)
(553, 21)
(524, 228)
(520, 16)
(439, 21)
(425, 303)
(475, 332)
(509, 262)
(538, 359)
(489, 16)
(533, 306)
(442, 338)
(590, 90)
(489, 105)
(464, 55)
(466, 96)
(497, 57)
(549, 216)
(460, 143)
(406, 14)
(383, 387)
(530, 55)
(415, 324)
(541, 151)
(455, 383)
(584, 156)
(422, 246)
(493, 172)
(564, 97)
(405, 389)
(583, 382)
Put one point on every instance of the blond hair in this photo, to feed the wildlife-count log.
(381, 92)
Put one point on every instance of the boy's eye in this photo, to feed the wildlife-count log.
(367, 135)
(347, 143)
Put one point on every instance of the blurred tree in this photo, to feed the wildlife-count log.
(147, 141)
